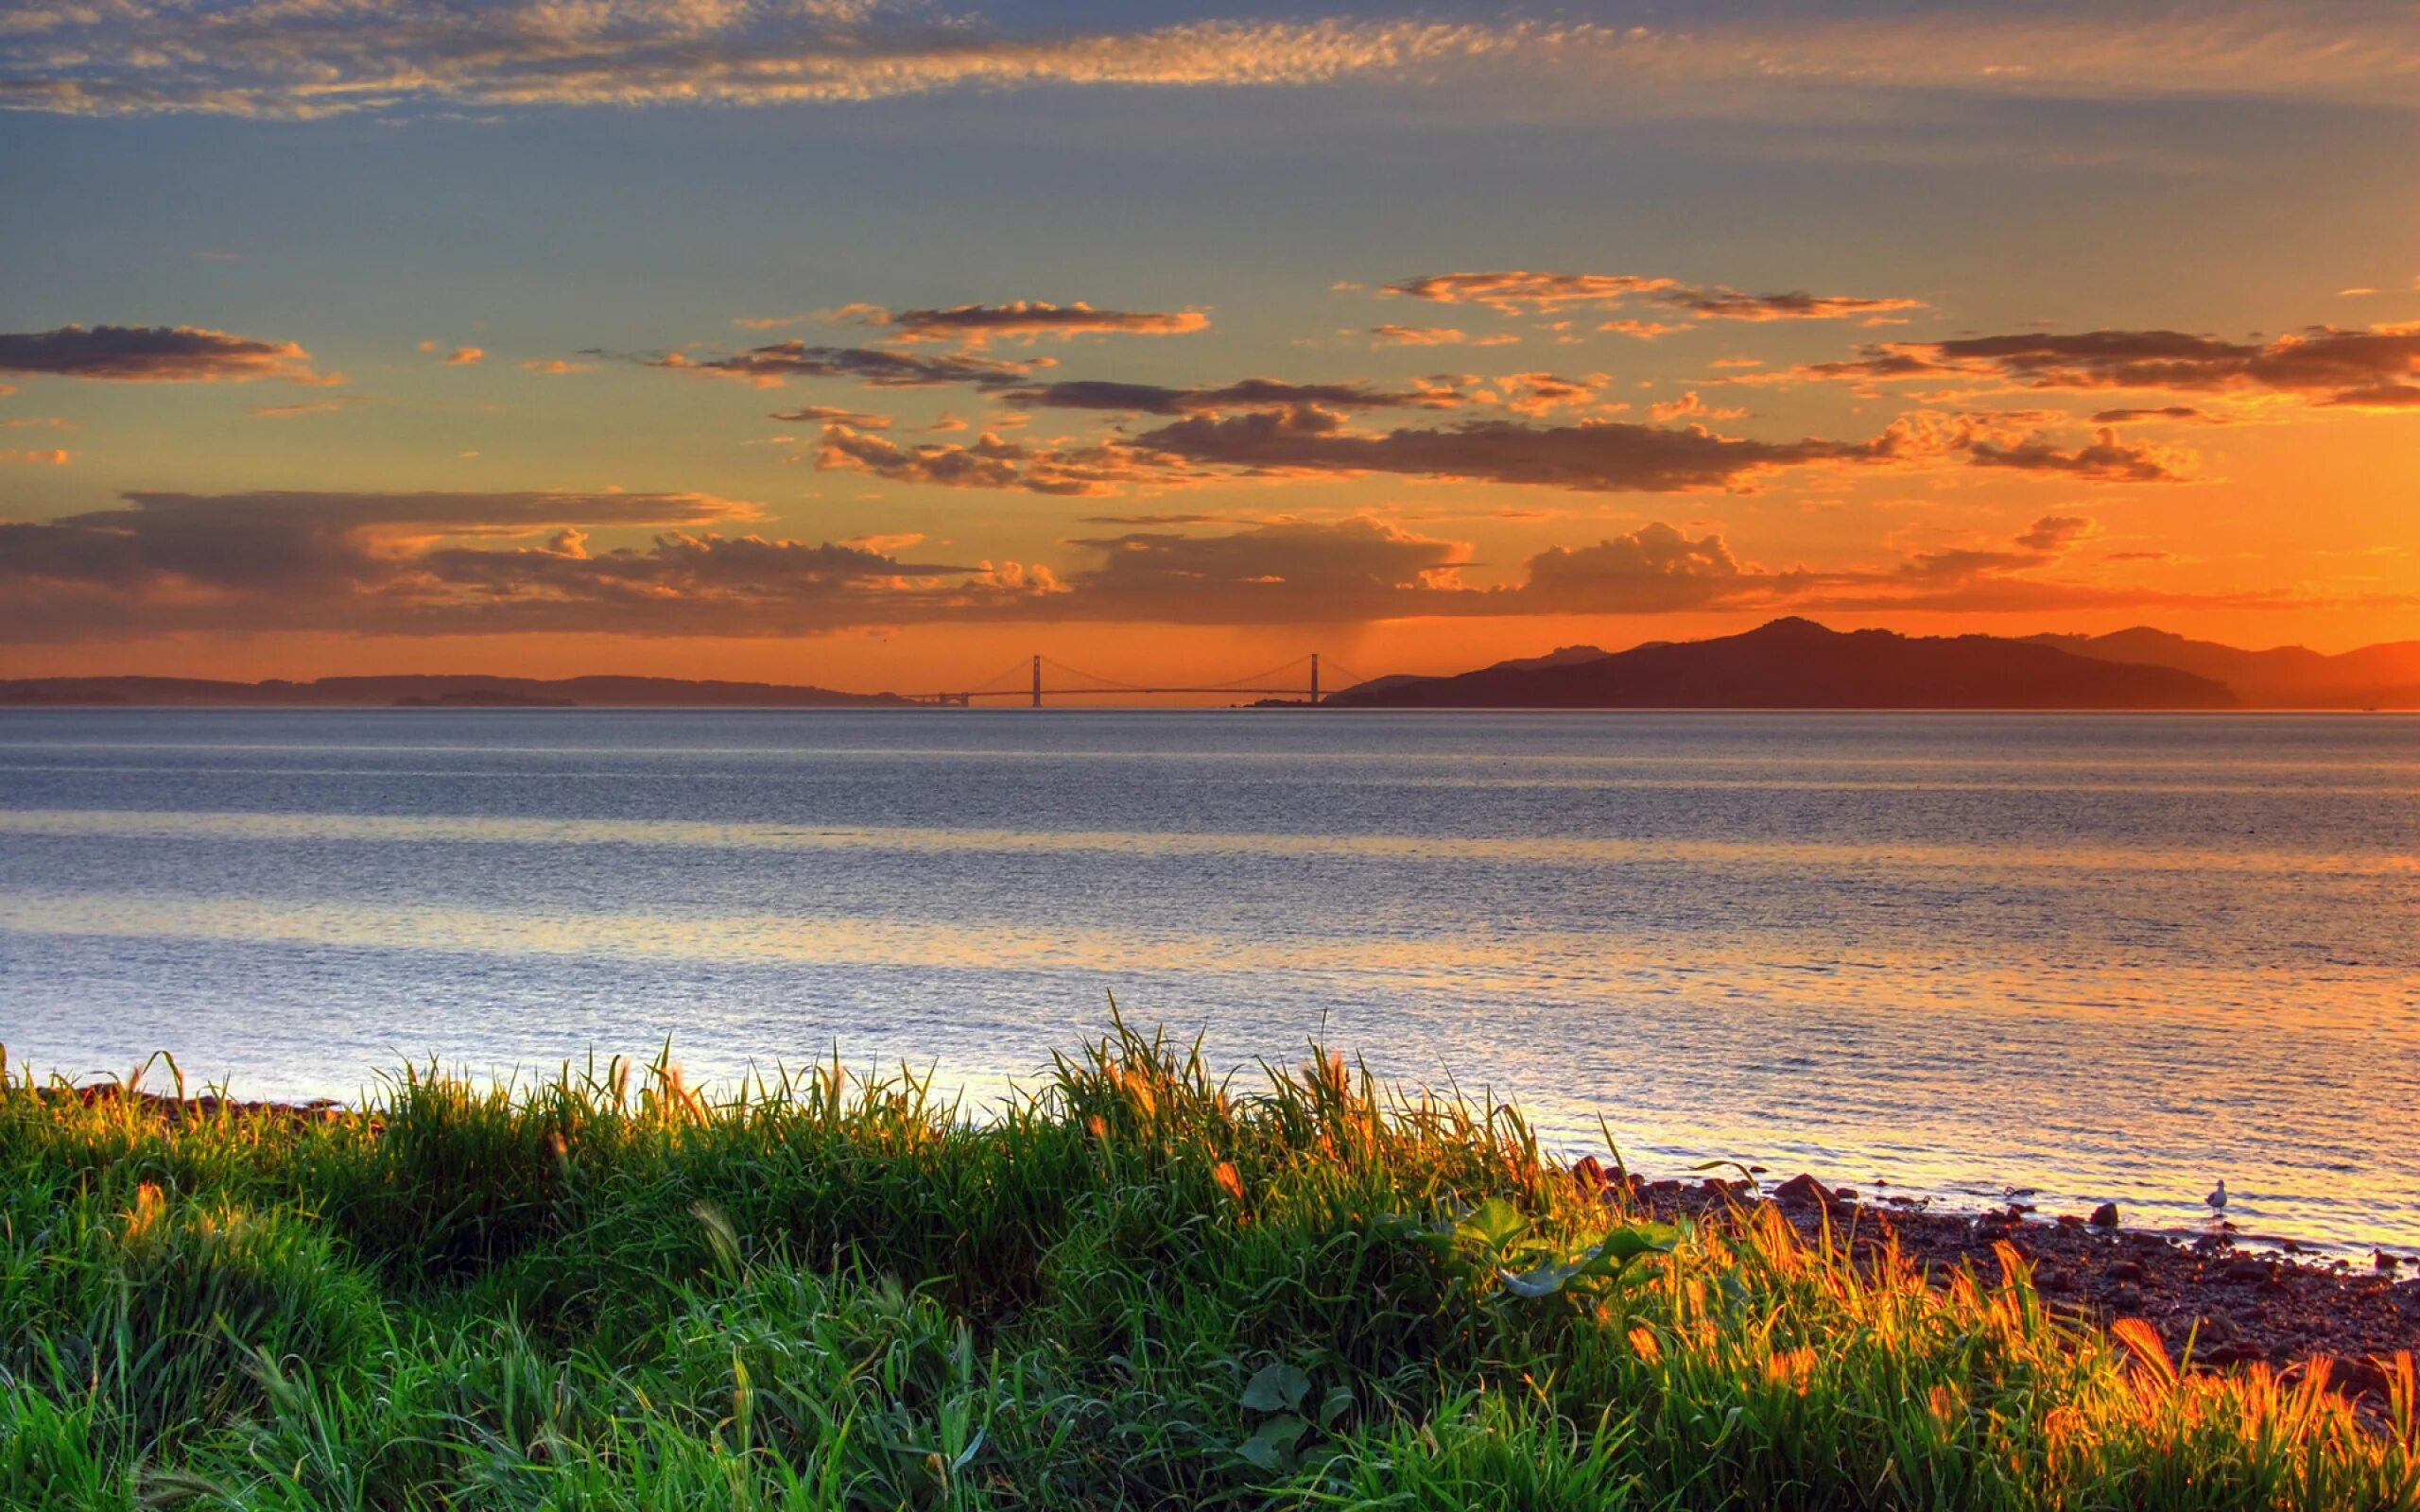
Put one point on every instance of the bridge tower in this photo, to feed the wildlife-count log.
(1037, 680)
(1315, 677)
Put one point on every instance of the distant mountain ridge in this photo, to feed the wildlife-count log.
(2288, 677)
(1796, 664)
(437, 691)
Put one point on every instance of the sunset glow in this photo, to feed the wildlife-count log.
(870, 347)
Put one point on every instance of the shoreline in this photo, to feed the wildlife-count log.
(1135, 1288)
(2219, 1295)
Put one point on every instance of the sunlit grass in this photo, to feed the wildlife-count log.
(1135, 1286)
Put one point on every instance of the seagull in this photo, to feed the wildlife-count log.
(2218, 1198)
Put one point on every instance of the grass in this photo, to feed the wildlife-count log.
(1136, 1288)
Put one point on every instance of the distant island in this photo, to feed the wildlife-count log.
(437, 691)
(1786, 664)
(1796, 664)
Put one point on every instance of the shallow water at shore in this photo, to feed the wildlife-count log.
(2105, 957)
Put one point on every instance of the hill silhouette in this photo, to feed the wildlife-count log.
(2288, 676)
(1796, 664)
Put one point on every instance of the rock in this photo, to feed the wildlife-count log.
(2367, 1377)
(2247, 1270)
(2126, 1270)
(1801, 1191)
(1844, 1194)
(2104, 1216)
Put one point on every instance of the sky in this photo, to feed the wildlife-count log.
(881, 345)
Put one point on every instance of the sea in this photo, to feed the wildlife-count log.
(1947, 957)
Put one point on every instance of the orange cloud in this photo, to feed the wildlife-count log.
(1520, 292)
(1432, 335)
(1689, 406)
(52, 456)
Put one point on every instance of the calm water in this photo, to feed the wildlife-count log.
(2105, 957)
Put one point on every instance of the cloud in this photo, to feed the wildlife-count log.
(449, 563)
(1730, 304)
(503, 564)
(1689, 406)
(1522, 292)
(459, 356)
(51, 457)
(553, 367)
(2177, 412)
(990, 463)
(2054, 533)
(770, 365)
(1278, 571)
(1433, 336)
(2323, 365)
(815, 414)
(1645, 330)
(975, 324)
(1158, 520)
(319, 406)
(2107, 459)
(1603, 455)
(1655, 569)
(252, 58)
(280, 58)
(153, 353)
(1250, 393)
(1527, 393)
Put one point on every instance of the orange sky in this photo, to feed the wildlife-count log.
(1180, 349)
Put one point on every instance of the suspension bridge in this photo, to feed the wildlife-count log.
(1040, 677)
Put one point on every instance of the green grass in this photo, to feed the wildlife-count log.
(1136, 1287)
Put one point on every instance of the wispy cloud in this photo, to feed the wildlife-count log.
(1434, 335)
(771, 365)
(1523, 292)
(276, 58)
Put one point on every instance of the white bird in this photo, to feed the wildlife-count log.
(2218, 1198)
